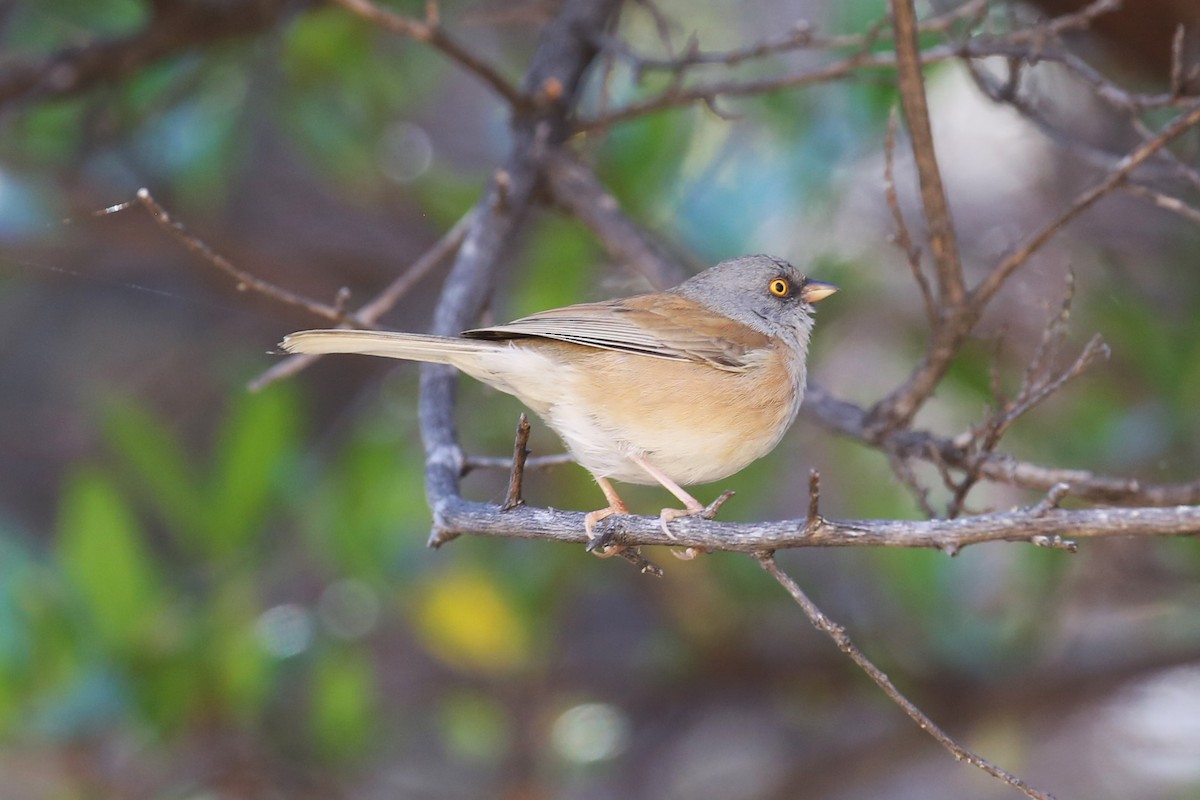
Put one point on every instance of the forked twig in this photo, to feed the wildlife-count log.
(1038, 384)
(369, 314)
(245, 281)
(335, 313)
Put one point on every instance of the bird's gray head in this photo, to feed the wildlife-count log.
(764, 292)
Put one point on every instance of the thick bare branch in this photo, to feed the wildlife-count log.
(564, 52)
(527, 522)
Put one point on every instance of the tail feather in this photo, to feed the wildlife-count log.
(390, 344)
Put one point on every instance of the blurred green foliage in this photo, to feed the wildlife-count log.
(268, 580)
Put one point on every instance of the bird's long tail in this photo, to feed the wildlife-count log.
(390, 344)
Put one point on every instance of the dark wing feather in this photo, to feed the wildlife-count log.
(660, 325)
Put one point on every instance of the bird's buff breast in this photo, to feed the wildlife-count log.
(693, 421)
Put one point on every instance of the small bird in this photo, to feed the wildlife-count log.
(678, 387)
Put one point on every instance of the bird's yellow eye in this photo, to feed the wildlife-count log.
(779, 287)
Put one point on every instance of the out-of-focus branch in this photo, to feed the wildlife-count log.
(575, 188)
(851, 420)
(902, 237)
(1031, 44)
(1165, 201)
(984, 292)
(431, 32)
(839, 636)
(368, 315)
(942, 238)
(333, 313)
(365, 317)
(173, 28)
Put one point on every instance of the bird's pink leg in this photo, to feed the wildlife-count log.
(694, 506)
(615, 506)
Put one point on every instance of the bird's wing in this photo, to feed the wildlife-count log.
(661, 325)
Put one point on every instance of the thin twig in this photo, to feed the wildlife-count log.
(513, 498)
(430, 31)
(1038, 384)
(996, 278)
(836, 632)
(1164, 201)
(902, 237)
(645, 566)
(801, 35)
(446, 245)
(911, 83)
(1052, 500)
(814, 500)
(244, 280)
(902, 469)
(897, 409)
(1176, 83)
(1025, 44)
(369, 314)
(471, 463)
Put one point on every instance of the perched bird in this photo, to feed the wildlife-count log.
(678, 387)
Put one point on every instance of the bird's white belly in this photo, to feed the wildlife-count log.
(692, 437)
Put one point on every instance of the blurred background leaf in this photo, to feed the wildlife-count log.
(210, 593)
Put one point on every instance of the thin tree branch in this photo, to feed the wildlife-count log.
(446, 246)
(244, 280)
(575, 188)
(839, 636)
(1164, 201)
(852, 421)
(516, 475)
(368, 315)
(897, 409)
(430, 31)
(911, 84)
(996, 278)
(173, 29)
(1023, 44)
(902, 237)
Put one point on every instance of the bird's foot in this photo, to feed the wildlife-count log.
(694, 509)
(599, 544)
